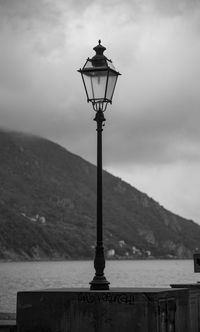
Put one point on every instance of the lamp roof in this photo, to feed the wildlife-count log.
(99, 62)
(99, 49)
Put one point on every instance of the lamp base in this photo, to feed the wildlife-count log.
(99, 283)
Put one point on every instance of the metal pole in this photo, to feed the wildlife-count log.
(99, 281)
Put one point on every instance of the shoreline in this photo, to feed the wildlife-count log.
(91, 259)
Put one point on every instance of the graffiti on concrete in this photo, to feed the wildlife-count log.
(121, 298)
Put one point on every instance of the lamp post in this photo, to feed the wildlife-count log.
(99, 78)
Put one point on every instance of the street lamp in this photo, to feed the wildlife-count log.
(99, 78)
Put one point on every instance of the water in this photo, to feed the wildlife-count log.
(20, 276)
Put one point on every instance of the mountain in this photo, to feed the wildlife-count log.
(48, 208)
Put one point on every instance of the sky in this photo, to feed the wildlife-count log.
(151, 138)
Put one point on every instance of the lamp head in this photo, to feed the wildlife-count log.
(99, 79)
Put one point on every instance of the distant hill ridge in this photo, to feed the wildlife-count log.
(48, 209)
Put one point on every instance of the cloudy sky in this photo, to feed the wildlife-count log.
(152, 136)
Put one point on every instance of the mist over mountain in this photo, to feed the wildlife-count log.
(48, 208)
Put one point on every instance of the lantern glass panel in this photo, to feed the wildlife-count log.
(95, 82)
(112, 78)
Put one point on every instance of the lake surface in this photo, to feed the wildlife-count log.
(21, 276)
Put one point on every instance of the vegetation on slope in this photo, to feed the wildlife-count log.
(48, 208)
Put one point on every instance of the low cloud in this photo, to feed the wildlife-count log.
(154, 44)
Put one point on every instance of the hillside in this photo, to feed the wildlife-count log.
(48, 208)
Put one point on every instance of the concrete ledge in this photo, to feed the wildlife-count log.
(7, 316)
(119, 309)
(190, 286)
(193, 304)
(8, 325)
(7, 322)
